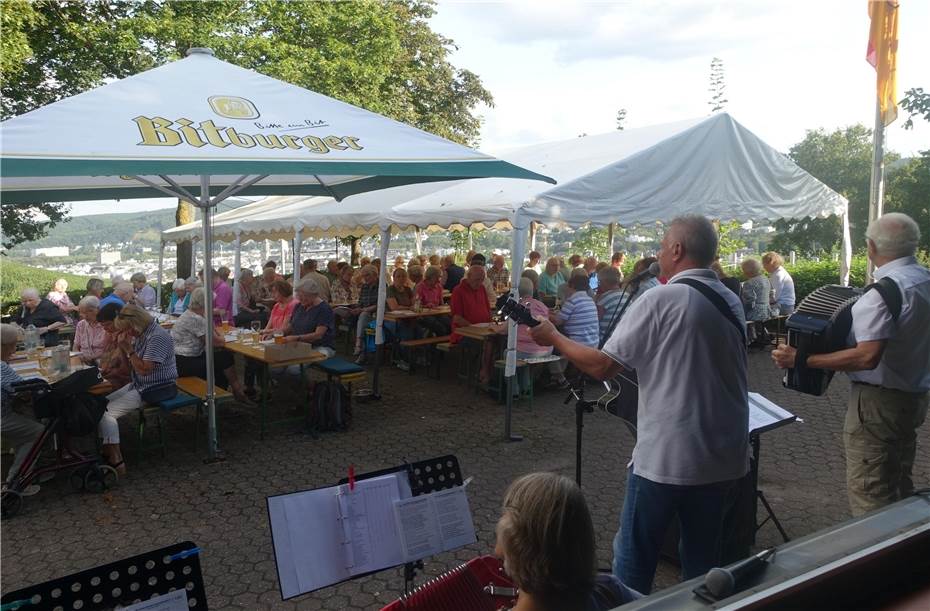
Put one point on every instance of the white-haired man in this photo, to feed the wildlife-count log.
(123, 293)
(889, 367)
(685, 340)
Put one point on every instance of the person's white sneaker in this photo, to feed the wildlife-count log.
(30, 490)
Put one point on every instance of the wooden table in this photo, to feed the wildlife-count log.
(411, 315)
(256, 352)
(104, 388)
(479, 334)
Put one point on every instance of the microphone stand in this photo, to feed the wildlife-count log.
(577, 387)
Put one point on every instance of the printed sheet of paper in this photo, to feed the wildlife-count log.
(434, 523)
(372, 539)
(764, 414)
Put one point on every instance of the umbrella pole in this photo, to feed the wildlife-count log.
(206, 205)
(510, 369)
(161, 264)
(379, 318)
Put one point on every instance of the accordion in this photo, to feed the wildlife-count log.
(478, 585)
(820, 324)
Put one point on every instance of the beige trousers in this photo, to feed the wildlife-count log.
(880, 435)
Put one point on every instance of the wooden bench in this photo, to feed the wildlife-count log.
(500, 381)
(449, 348)
(427, 345)
(192, 392)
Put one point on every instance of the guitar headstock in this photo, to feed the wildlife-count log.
(510, 308)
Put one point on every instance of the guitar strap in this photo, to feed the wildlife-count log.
(718, 302)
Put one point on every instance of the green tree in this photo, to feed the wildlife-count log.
(381, 56)
(841, 159)
(592, 241)
(729, 239)
(908, 191)
(917, 104)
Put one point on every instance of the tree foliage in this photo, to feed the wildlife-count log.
(717, 86)
(381, 56)
(26, 223)
(729, 240)
(592, 241)
(621, 118)
(842, 159)
(917, 104)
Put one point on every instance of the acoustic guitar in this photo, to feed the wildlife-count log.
(622, 391)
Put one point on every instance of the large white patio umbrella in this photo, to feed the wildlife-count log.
(204, 130)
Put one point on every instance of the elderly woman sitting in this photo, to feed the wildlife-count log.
(90, 338)
(526, 347)
(59, 296)
(429, 292)
(367, 305)
(113, 364)
(150, 352)
(189, 334)
(545, 537)
(179, 297)
(42, 314)
(313, 320)
(17, 430)
(145, 294)
(755, 291)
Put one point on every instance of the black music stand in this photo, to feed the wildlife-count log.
(124, 582)
(775, 420)
(424, 476)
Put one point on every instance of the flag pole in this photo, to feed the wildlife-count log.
(877, 185)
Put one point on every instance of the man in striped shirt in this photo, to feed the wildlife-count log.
(577, 320)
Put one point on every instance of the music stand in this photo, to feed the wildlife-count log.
(124, 582)
(424, 476)
(764, 416)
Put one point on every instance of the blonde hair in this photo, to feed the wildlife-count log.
(547, 537)
(132, 317)
(772, 258)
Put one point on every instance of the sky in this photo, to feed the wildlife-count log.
(558, 69)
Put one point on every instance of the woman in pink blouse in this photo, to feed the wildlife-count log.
(59, 296)
(429, 292)
(284, 305)
(90, 338)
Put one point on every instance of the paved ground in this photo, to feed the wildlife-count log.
(222, 506)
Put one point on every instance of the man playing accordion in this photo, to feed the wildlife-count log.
(889, 367)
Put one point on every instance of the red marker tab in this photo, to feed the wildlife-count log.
(351, 478)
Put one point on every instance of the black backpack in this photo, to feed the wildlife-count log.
(330, 407)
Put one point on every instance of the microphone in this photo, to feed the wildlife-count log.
(652, 270)
(722, 582)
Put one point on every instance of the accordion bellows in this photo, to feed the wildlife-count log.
(821, 324)
(464, 588)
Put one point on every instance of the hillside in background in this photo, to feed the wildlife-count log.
(14, 277)
(140, 228)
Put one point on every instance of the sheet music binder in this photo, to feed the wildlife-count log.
(420, 478)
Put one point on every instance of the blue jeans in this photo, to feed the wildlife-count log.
(648, 509)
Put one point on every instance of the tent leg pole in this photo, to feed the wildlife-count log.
(212, 444)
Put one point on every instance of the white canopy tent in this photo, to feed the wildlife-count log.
(204, 130)
(712, 166)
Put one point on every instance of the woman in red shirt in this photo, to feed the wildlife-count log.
(284, 305)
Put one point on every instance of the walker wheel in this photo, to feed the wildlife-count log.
(11, 502)
(110, 476)
(94, 481)
(76, 478)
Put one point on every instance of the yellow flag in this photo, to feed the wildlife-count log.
(882, 54)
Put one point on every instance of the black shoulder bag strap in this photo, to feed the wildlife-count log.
(891, 295)
(718, 301)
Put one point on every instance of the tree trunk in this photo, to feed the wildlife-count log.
(183, 215)
(610, 239)
(356, 251)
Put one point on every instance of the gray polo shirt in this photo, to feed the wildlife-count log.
(693, 415)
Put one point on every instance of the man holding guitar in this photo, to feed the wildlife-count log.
(685, 340)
